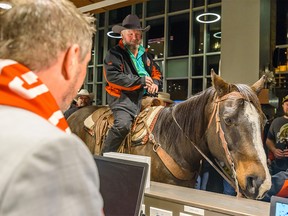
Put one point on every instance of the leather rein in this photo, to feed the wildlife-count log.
(184, 174)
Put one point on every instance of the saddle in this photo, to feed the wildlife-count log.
(100, 121)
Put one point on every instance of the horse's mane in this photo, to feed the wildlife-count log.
(194, 114)
(191, 113)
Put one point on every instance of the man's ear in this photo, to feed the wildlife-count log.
(70, 61)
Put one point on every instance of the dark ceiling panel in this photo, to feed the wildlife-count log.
(82, 3)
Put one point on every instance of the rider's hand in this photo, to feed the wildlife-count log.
(148, 81)
(153, 89)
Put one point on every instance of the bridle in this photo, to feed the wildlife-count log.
(219, 130)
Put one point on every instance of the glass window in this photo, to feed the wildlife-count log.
(213, 1)
(209, 82)
(155, 7)
(101, 20)
(99, 74)
(100, 46)
(177, 68)
(90, 74)
(91, 62)
(198, 34)
(213, 63)
(117, 16)
(155, 38)
(198, 3)
(176, 5)
(214, 33)
(197, 66)
(139, 9)
(197, 86)
(90, 87)
(177, 89)
(178, 38)
(99, 94)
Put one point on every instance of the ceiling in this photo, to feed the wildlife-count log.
(99, 6)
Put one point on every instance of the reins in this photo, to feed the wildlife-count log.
(219, 130)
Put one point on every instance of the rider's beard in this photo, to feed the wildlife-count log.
(134, 45)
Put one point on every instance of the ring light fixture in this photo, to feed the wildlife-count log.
(5, 5)
(217, 35)
(217, 17)
(113, 34)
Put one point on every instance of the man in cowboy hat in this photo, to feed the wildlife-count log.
(83, 98)
(130, 72)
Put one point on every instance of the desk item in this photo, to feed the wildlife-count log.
(278, 206)
(122, 184)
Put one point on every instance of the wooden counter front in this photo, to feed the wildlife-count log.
(181, 200)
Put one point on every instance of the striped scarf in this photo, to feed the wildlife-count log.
(20, 87)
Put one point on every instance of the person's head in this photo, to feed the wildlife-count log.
(53, 39)
(165, 99)
(131, 31)
(285, 105)
(84, 98)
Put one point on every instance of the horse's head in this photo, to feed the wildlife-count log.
(238, 120)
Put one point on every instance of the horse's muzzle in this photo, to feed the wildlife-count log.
(253, 183)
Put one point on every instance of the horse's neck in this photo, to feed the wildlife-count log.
(173, 139)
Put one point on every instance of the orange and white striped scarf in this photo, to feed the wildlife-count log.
(20, 87)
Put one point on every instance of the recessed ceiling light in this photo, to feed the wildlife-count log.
(217, 35)
(5, 5)
(113, 34)
(217, 17)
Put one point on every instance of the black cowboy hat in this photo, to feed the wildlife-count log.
(130, 22)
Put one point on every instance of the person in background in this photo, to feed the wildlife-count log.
(277, 140)
(83, 98)
(130, 72)
(165, 97)
(45, 170)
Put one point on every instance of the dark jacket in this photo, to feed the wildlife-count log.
(124, 85)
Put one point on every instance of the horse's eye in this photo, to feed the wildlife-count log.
(227, 121)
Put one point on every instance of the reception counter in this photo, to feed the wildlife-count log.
(169, 200)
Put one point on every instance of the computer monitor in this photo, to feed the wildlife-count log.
(122, 185)
(278, 206)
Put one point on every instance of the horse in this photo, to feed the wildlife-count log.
(222, 124)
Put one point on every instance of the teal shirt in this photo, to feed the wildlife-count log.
(138, 63)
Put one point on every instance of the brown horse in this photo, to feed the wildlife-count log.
(223, 123)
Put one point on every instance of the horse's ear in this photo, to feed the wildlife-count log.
(219, 84)
(259, 85)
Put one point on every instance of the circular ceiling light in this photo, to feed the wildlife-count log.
(113, 34)
(217, 17)
(5, 5)
(217, 35)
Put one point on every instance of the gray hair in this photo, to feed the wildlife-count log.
(34, 32)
